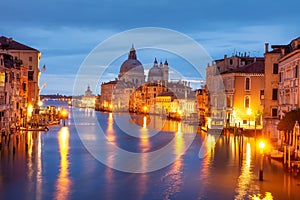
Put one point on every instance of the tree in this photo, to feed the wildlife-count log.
(289, 120)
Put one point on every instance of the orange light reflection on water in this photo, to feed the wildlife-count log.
(174, 176)
(63, 182)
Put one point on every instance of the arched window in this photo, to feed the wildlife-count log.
(247, 83)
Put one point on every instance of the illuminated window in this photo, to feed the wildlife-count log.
(247, 83)
(247, 102)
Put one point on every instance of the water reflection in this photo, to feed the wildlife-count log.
(245, 184)
(63, 182)
(174, 176)
(110, 133)
(34, 164)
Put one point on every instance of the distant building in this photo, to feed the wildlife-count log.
(202, 97)
(106, 95)
(159, 73)
(131, 93)
(88, 100)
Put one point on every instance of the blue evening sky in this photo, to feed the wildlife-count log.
(66, 31)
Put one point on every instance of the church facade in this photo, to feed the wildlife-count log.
(132, 92)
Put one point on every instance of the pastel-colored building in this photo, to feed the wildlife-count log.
(270, 94)
(234, 85)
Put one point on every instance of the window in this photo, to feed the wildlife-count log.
(262, 94)
(30, 67)
(247, 102)
(228, 101)
(30, 59)
(274, 94)
(247, 83)
(274, 112)
(296, 71)
(24, 86)
(280, 77)
(30, 75)
(230, 62)
(275, 68)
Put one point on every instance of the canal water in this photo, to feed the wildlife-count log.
(57, 165)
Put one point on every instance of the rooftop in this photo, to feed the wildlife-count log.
(9, 43)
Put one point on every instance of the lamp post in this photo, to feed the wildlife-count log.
(296, 138)
(261, 170)
(249, 114)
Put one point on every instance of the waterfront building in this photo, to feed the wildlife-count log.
(270, 94)
(10, 97)
(131, 93)
(235, 84)
(289, 86)
(30, 58)
(203, 109)
(106, 95)
(19, 89)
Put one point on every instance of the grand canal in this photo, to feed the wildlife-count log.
(56, 165)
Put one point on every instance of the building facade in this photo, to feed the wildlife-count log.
(19, 84)
(270, 95)
(234, 85)
(289, 77)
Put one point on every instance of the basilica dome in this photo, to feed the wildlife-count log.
(131, 64)
(132, 69)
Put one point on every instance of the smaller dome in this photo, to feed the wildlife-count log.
(155, 71)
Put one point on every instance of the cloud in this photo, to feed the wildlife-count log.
(67, 31)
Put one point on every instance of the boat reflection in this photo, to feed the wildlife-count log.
(63, 182)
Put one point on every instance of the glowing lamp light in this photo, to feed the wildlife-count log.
(179, 112)
(145, 108)
(261, 145)
(110, 106)
(29, 110)
(64, 113)
(40, 103)
(249, 111)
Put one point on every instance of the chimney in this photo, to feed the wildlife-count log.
(296, 44)
(266, 47)
(225, 56)
(282, 51)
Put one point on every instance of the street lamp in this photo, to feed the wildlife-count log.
(249, 114)
(145, 109)
(64, 114)
(261, 148)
